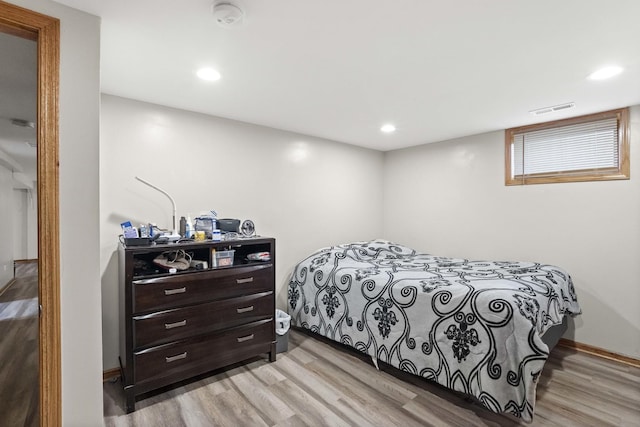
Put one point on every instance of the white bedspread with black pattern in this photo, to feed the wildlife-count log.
(472, 326)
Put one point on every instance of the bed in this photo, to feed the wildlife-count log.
(476, 327)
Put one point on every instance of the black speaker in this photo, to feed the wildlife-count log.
(229, 225)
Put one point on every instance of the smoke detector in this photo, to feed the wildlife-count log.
(227, 14)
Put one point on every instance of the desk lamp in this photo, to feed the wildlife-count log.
(174, 236)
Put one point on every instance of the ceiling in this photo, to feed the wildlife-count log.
(336, 69)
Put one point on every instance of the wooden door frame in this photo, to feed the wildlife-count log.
(45, 30)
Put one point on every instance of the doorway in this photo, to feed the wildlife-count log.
(19, 305)
(44, 31)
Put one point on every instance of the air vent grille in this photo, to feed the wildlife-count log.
(23, 123)
(547, 110)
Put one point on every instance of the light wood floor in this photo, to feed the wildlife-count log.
(317, 383)
(19, 350)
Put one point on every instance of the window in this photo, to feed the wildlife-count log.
(586, 148)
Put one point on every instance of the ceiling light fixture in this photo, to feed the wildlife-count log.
(605, 73)
(388, 128)
(208, 74)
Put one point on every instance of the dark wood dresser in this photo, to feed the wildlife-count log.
(174, 326)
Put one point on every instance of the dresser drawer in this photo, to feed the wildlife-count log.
(170, 325)
(183, 289)
(205, 351)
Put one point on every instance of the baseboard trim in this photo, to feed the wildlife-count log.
(25, 261)
(600, 352)
(110, 374)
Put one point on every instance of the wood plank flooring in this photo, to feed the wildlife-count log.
(318, 383)
(19, 349)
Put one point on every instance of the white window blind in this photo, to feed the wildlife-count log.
(591, 146)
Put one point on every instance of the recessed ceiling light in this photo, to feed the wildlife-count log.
(388, 128)
(208, 74)
(605, 73)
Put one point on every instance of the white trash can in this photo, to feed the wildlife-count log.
(283, 322)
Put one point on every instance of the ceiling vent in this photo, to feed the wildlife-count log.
(547, 110)
(227, 14)
(23, 123)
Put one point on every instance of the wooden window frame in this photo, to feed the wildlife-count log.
(621, 172)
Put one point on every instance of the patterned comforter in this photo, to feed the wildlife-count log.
(472, 326)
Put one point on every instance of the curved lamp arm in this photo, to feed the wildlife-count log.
(166, 194)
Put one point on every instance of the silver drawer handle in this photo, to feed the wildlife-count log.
(247, 338)
(175, 291)
(244, 309)
(247, 280)
(175, 325)
(176, 357)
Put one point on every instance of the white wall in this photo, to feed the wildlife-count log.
(25, 224)
(19, 232)
(6, 226)
(79, 203)
(305, 192)
(450, 199)
(31, 220)
(445, 198)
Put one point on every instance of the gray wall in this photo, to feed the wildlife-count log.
(449, 198)
(305, 192)
(79, 204)
(6, 226)
(25, 224)
(446, 198)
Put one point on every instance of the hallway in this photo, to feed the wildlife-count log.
(19, 349)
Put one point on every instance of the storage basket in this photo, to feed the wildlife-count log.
(223, 258)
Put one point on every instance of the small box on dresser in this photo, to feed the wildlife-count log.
(177, 326)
